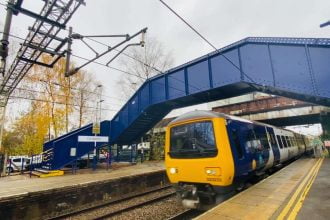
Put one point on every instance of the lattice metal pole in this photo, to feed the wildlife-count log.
(2, 123)
(68, 53)
(4, 97)
(5, 37)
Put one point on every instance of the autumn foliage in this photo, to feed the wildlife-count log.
(58, 104)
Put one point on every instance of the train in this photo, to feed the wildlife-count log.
(209, 154)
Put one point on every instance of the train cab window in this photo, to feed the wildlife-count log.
(237, 143)
(279, 141)
(193, 140)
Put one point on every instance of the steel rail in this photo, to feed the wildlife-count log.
(139, 205)
(89, 209)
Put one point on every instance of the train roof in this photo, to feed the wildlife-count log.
(207, 114)
(199, 114)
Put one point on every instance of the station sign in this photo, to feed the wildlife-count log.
(93, 139)
(96, 128)
(73, 151)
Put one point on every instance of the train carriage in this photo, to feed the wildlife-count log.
(210, 154)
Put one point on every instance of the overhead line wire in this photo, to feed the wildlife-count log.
(61, 103)
(15, 36)
(207, 41)
(138, 60)
(68, 96)
(120, 70)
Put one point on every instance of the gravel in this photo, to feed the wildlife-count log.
(159, 210)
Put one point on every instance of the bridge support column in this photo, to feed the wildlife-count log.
(325, 122)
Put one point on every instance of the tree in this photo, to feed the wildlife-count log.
(47, 80)
(65, 97)
(144, 63)
(28, 133)
(85, 91)
(157, 145)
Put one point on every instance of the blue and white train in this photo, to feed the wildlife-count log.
(209, 153)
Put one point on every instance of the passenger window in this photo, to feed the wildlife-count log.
(237, 143)
(288, 141)
(292, 141)
(17, 160)
(279, 141)
(284, 142)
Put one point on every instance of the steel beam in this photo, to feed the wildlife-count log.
(40, 36)
(17, 10)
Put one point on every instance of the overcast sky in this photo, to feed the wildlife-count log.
(221, 21)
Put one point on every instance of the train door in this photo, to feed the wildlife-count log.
(235, 130)
(262, 152)
(283, 148)
(273, 145)
(294, 145)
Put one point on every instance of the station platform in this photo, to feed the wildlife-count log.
(300, 190)
(22, 197)
(23, 185)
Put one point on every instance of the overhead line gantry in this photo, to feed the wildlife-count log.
(52, 18)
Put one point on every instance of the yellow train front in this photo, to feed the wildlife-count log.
(210, 154)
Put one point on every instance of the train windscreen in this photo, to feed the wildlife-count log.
(193, 140)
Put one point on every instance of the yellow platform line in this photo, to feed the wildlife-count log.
(297, 192)
(302, 197)
(52, 173)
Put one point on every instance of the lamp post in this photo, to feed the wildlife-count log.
(100, 117)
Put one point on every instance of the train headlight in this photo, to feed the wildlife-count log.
(213, 171)
(210, 172)
(173, 170)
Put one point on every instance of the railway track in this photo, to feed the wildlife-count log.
(122, 208)
(118, 211)
(112, 214)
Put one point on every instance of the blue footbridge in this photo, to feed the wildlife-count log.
(297, 68)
